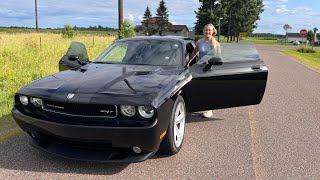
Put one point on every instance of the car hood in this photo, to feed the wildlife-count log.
(120, 83)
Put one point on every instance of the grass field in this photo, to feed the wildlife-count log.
(310, 59)
(255, 40)
(23, 60)
(56, 31)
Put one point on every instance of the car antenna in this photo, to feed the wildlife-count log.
(127, 82)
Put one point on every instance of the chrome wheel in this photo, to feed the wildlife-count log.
(179, 124)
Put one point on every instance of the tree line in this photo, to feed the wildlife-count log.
(236, 16)
(90, 28)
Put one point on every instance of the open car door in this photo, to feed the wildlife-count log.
(75, 57)
(239, 81)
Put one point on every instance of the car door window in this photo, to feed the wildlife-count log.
(77, 48)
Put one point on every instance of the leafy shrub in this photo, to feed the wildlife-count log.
(67, 31)
(126, 30)
(305, 50)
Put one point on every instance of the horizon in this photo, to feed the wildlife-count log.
(55, 14)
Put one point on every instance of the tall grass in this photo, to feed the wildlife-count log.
(23, 60)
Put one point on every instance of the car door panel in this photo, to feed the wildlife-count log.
(233, 84)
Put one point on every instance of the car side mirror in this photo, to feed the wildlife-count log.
(215, 61)
(73, 57)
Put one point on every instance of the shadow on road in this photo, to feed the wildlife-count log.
(197, 117)
(18, 154)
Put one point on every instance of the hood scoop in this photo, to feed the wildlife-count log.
(142, 73)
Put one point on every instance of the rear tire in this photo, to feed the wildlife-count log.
(173, 140)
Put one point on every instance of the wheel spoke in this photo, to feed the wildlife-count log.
(179, 124)
(178, 134)
(180, 119)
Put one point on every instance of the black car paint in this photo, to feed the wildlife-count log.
(153, 85)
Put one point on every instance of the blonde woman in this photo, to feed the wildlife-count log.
(207, 47)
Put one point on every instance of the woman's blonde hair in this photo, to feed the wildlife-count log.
(214, 43)
(214, 29)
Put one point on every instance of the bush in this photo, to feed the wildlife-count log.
(67, 31)
(126, 30)
(305, 50)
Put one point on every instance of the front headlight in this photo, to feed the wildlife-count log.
(24, 100)
(146, 111)
(127, 110)
(36, 102)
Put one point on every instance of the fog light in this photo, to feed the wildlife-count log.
(136, 150)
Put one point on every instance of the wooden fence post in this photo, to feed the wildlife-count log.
(40, 43)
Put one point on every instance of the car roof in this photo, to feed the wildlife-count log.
(164, 38)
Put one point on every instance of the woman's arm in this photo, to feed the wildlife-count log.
(194, 53)
(218, 51)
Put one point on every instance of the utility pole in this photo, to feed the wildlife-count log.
(36, 13)
(211, 12)
(120, 11)
(220, 18)
(314, 36)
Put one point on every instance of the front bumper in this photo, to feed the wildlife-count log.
(96, 143)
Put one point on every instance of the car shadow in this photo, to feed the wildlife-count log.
(197, 117)
(18, 154)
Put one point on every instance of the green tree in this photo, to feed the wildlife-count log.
(208, 12)
(126, 29)
(67, 31)
(146, 25)
(310, 36)
(287, 28)
(147, 13)
(244, 17)
(163, 22)
(238, 15)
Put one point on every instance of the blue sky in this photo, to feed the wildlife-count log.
(55, 13)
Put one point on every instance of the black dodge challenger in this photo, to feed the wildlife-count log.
(132, 100)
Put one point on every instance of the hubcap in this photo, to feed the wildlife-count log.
(179, 123)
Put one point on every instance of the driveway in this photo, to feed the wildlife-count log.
(278, 139)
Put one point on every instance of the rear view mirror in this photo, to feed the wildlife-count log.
(73, 57)
(213, 62)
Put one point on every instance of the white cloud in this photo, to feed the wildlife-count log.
(282, 10)
(131, 17)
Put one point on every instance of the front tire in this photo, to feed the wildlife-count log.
(175, 134)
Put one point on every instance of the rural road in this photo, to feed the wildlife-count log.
(278, 139)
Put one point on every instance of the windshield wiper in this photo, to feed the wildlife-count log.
(99, 62)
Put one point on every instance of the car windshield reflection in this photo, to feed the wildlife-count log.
(143, 52)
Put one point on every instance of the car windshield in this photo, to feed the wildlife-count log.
(143, 52)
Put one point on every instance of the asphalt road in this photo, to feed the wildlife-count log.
(278, 139)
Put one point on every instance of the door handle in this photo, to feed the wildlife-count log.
(258, 67)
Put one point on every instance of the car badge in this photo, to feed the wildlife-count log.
(70, 96)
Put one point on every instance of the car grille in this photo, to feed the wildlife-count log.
(88, 110)
(89, 115)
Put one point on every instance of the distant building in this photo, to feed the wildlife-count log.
(290, 37)
(173, 30)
